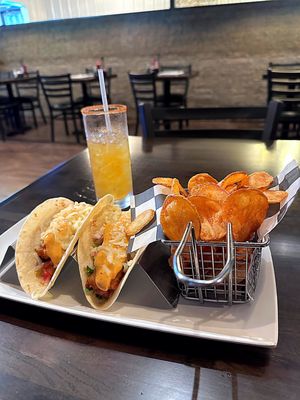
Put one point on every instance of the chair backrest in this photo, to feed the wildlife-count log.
(284, 86)
(3, 91)
(143, 88)
(272, 120)
(29, 86)
(57, 89)
(284, 65)
(151, 116)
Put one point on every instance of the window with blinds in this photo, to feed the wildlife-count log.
(45, 10)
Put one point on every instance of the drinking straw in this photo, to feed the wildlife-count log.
(104, 100)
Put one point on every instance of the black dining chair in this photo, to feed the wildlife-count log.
(59, 96)
(151, 116)
(270, 131)
(28, 95)
(284, 86)
(10, 118)
(144, 91)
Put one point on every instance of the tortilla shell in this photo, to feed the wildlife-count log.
(26, 258)
(104, 210)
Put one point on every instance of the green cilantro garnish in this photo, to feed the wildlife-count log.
(89, 270)
(88, 290)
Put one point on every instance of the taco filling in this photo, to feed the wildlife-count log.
(57, 237)
(108, 253)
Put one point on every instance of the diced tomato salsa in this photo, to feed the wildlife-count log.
(46, 271)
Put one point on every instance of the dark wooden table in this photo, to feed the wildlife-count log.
(86, 78)
(47, 355)
(167, 79)
(8, 79)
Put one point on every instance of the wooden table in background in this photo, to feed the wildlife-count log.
(8, 79)
(167, 79)
(84, 79)
(48, 355)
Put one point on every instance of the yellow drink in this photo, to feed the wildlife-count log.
(111, 168)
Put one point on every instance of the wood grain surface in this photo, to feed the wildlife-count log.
(21, 163)
(47, 355)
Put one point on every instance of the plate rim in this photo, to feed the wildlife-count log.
(144, 323)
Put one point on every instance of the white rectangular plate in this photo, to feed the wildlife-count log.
(254, 323)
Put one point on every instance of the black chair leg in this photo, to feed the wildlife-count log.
(285, 130)
(81, 125)
(52, 128)
(42, 113)
(66, 124)
(2, 129)
(185, 106)
(75, 128)
(137, 123)
(34, 116)
(19, 119)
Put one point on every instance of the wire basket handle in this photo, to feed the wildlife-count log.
(202, 282)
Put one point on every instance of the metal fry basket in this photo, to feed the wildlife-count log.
(217, 272)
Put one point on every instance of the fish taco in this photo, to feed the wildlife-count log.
(104, 264)
(46, 239)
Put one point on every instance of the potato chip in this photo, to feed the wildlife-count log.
(163, 181)
(209, 190)
(212, 224)
(232, 188)
(258, 180)
(246, 209)
(232, 179)
(140, 222)
(206, 207)
(275, 196)
(213, 229)
(175, 189)
(199, 179)
(243, 255)
(176, 212)
(168, 182)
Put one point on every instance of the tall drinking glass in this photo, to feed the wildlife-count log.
(109, 152)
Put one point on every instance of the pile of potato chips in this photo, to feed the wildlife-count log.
(239, 198)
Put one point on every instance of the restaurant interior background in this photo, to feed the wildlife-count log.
(243, 343)
(229, 46)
